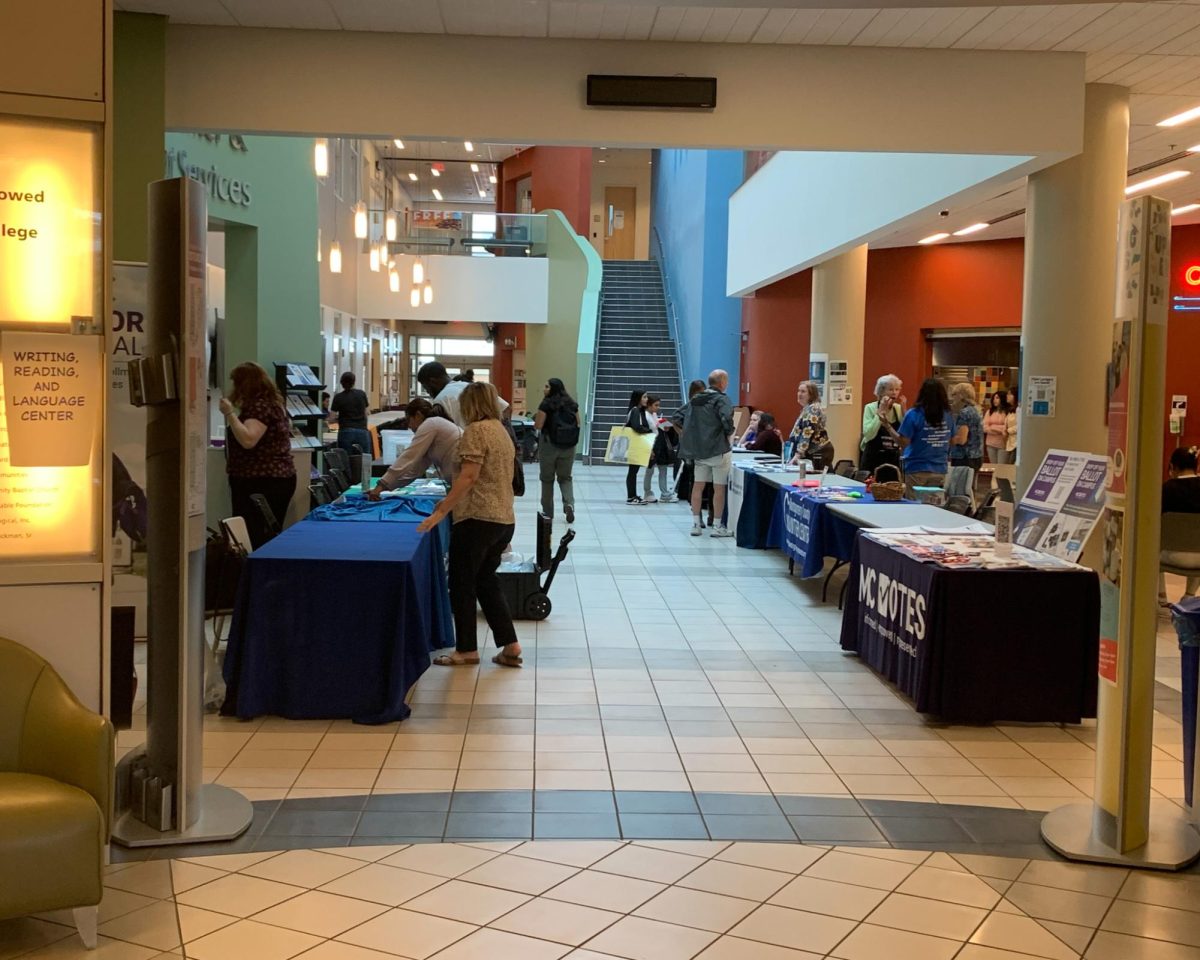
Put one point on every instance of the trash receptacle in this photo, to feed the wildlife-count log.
(1185, 616)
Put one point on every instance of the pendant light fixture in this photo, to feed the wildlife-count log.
(321, 157)
(374, 256)
(360, 220)
(393, 281)
(428, 293)
(389, 225)
(414, 297)
(418, 272)
(335, 257)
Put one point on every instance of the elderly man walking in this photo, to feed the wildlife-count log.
(707, 424)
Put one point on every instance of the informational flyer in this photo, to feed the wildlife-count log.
(839, 383)
(1041, 396)
(1062, 505)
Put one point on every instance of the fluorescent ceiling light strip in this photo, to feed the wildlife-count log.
(1186, 208)
(973, 228)
(1169, 177)
(1181, 118)
(934, 238)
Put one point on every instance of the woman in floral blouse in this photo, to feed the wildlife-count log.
(809, 433)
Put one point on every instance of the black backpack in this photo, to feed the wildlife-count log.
(562, 426)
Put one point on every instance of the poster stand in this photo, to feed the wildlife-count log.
(1119, 827)
(161, 797)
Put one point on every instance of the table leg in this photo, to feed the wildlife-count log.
(829, 576)
(791, 565)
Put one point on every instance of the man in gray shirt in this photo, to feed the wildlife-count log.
(707, 423)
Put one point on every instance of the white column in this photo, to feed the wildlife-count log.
(839, 306)
(1070, 272)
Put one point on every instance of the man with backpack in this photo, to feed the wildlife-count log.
(558, 424)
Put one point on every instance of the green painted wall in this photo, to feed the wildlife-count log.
(139, 69)
(563, 347)
(264, 191)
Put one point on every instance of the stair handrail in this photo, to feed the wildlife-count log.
(590, 404)
(672, 316)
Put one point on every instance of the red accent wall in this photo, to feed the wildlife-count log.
(776, 327)
(561, 179)
(1183, 340)
(914, 289)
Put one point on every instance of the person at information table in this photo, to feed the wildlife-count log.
(809, 438)
(924, 437)
(349, 410)
(966, 449)
(1180, 494)
(767, 438)
(747, 438)
(446, 393)
(258, 449)
(877, 446)
(481, 501)
(434, 444)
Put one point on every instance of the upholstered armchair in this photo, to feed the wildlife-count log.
(56, 785)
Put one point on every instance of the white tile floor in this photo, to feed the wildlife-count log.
(669, 665)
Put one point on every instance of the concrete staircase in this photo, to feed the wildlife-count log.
(635, 351)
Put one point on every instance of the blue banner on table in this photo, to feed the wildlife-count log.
(804, 529)
(976, 645)
(337, 620)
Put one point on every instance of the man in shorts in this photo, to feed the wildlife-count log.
(707, 423)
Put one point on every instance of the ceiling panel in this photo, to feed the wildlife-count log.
(563, 18)
(890, 28)
(719, 25)
(695, 20)
(641, 22)
(614, 20)
(955, 29)
(773, 26)
(302, 14)
(405, 16)
(936, 23)
(746, 25)
(666, 23)
(979, 36)
(1059, 23)
(798, 27)
(207, 12)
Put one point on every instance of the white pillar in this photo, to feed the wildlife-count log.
(1070, 273)
(839, 306)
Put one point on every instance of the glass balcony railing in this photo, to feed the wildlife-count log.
(473, 234)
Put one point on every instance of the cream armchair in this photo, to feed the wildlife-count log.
(56, 785)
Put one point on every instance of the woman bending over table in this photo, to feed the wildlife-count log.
(482, 503)
(258, 449)
(434, 444)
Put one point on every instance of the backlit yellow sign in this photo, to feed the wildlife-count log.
(49, 223)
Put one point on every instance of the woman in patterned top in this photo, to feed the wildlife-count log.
(808, 433)
(258, 448)
(482, 502)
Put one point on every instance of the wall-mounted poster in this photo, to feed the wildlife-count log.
(437, 220)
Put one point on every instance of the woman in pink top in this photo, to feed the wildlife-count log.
(995, 429)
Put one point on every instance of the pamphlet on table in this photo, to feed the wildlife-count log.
(965, 551)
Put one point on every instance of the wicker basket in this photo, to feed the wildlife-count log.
(887, 491)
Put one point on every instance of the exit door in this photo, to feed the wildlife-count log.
(620, 222)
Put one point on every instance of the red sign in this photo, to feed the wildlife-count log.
(1108, 659)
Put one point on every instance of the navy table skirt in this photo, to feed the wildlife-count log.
(808, 533)
(337, 620)
(758, 503)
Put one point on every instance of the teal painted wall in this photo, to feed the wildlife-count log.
(266, 194)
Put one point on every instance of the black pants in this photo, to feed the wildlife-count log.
(631, 481)
(475, 548)
(277, 490)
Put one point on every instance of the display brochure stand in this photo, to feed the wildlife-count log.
(161, 798)
(1119, 827)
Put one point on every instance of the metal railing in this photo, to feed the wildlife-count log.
(672, 316)
(466, 233)
(591, 404)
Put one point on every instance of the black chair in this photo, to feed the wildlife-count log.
(822, 455)
(331, 487)
(341, 478)
(959, 504)
(269, 521)
(986, 511)
(862, 476)
(337, 458)
(320, 493)
(844, 468)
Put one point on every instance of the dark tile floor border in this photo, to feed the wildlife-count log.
(315, 822)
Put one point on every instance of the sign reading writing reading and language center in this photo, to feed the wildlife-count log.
(52, 398)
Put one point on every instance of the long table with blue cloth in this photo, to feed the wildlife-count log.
(337, 616)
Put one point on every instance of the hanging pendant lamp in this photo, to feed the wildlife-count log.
(428, 294)
(374, 257)
(335, 257)
(360, 220)
(415, 297)
(389, 225)
(321, 157)
(393, 281)
(418, 276)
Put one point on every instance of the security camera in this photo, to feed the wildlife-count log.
(943, 213)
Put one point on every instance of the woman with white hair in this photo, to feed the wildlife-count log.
(879, 446)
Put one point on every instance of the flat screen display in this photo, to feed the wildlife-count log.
(693, 93)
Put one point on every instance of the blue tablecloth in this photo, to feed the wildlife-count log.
(337, 620)
(758, 503)
(808, 533)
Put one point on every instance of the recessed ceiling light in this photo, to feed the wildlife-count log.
(474, 168)
(435, 171)
(1195, 149)
(604, 148)
(483, 194)
(1180, 118)
(399, 144)
(492, 178)
(1169, 177)
(469, 146)
(602, 160)
(973, 228)
(437, 194)
(934, 238)
(1186, 208)
(413, 177)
